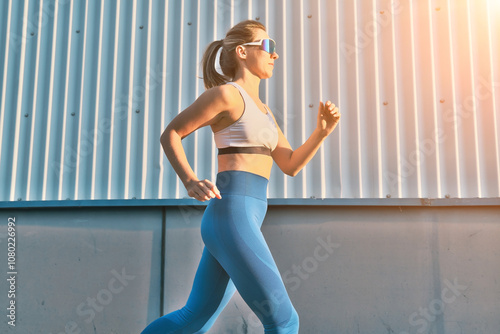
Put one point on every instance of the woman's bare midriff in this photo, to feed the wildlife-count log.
(253, 163)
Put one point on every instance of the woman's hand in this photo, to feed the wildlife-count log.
(328, 117)
(292, 161)
(202, 190)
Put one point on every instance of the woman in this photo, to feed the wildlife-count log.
(248, 138)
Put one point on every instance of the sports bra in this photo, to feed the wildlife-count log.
(254, 132)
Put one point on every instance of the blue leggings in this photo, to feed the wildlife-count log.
(235, 256)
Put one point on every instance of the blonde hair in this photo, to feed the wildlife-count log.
(243, 32)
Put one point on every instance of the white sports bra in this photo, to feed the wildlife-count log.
(254, 132)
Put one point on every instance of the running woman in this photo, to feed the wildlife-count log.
(236, 255)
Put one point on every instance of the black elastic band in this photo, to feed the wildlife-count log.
(248, 150)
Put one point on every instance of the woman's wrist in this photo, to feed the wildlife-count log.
(321, 134)
(188, 180)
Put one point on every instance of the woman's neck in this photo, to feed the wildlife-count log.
(249, 83)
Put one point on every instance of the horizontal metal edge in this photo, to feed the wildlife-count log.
(424, 202)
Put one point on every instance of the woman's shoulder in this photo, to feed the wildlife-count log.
(227, 94)
(228, 91)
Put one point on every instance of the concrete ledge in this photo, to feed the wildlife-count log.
(426, 202)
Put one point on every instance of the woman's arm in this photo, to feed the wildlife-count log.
(291, 162)
(206, 110)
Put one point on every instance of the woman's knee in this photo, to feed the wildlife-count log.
(292, 325)
(289, 325)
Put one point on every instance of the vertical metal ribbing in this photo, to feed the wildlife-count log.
(396, 103)
(145, 142)
(232, 13)
(285, 90)
(65, 118)
(474, 107)
(35, 95)
(434, 103)
(358, 112)
(404, 145)
(163, 96)
(4, 79)
(266, 83)
(212, 142)
(302, 94)
(113, 100)
(495, 118)
(320, 78)
(196, 89)
(339, 85)
(377, 102)
(96, 106)
(19, 104)
(82, 87)
(128, 155)
(50, 104)
(181, 66)
(454, 93)
(415, 103)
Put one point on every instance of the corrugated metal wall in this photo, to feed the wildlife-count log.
(86, 89)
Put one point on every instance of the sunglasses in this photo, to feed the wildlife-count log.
(267, 44)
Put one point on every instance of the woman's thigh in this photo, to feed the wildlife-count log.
(231, 231)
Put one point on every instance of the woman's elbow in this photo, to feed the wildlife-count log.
(167, 136)
(164, 137)
(290, 171)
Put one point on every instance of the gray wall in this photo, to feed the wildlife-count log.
(393, 269)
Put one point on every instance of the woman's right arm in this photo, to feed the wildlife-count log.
(208, 109)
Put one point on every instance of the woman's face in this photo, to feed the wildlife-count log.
(258, 61)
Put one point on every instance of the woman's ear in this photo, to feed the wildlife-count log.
(241, 52)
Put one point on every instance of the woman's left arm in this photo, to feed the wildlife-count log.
(292, 161)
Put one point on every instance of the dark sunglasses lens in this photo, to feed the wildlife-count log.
(268, 45)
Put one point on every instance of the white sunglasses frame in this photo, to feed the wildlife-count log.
(259, 43)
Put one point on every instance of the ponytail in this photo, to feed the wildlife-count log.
(212, 78)
(241, 33)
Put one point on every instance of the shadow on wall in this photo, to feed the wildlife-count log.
(85, 270)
